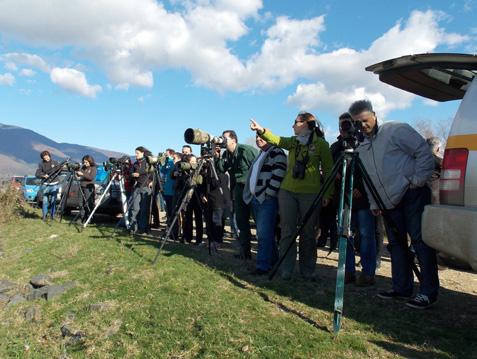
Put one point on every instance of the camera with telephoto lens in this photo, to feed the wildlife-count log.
(71, 166)
(206, 141)
(117, 164)
(351, 131)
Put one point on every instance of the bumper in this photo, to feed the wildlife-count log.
(452, 230)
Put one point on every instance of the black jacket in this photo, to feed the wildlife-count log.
(88, 177)
(46, 168)
(141, 167)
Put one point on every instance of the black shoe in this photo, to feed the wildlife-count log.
(391, 294)
(259, 271)
(420, 301)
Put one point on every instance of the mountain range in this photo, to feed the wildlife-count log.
(20, 151)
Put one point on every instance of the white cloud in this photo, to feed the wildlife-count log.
(27, 73)
(339, 76)
(74, 81)
(7, 79)
(10, 66)
(34, 61)
(129, 40)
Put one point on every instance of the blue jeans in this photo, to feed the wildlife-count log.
(266, 221)
(364, 221)
(407, 217)
(139, 218)
(49, 200)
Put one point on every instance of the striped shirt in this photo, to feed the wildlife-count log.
(271, 170)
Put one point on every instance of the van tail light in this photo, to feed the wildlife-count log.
(452, 181)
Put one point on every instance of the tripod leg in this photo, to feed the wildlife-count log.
(64, 196)
(344, 223)
(187, 197)
(85, 204)
(85, 224)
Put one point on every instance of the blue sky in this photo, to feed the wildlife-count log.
(119, 74)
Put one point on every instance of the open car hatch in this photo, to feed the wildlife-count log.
(440, 77)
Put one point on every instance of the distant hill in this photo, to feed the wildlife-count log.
(20, 151)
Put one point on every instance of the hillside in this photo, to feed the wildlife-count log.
(20, 149)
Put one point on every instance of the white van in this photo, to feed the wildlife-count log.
(451, 226)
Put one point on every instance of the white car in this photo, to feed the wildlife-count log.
(450, 226)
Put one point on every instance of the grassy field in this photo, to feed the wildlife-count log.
(192, 305)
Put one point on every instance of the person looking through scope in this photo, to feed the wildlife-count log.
(362, 220)
(50, 188)
(399, 163)
(308, 153)
(87, 175)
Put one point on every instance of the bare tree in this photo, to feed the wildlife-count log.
(434, 128)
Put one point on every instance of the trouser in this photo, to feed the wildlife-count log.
(363, 221)
(139, 217)
(87, 202)
(242, 216)
(266, 215)
(293, 207)
(193, 207)
(49, 200)
(407, 218)
(215, 218)
(329, 227)
(156, 205)
(379, 221)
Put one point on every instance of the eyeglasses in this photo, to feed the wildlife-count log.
(298, 121)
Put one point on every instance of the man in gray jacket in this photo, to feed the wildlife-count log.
(399, 162)
(261, 190)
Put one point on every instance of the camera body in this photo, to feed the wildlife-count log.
(298, 170)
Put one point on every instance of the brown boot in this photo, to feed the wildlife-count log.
(365, 280)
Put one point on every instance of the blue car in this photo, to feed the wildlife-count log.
(30, 188)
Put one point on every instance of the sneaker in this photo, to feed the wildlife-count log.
(391, 294)
(420, 301)
(365, 280)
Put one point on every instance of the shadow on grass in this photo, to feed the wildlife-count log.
(447, 330)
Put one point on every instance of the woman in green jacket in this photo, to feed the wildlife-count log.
(309, 161)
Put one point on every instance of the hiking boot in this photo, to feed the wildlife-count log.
(391, 294)
(349, 278)
(420, 301)
(365, 280)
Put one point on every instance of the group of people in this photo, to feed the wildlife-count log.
(399, 163)
(49, 172)
(277, 190)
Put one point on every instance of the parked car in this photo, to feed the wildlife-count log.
(30, 188)
(111, 204)
(16, 182)
(450, 226)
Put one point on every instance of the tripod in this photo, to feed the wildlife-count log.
(115, 177)
(189, 192)
(64, 196)
(350, 158)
